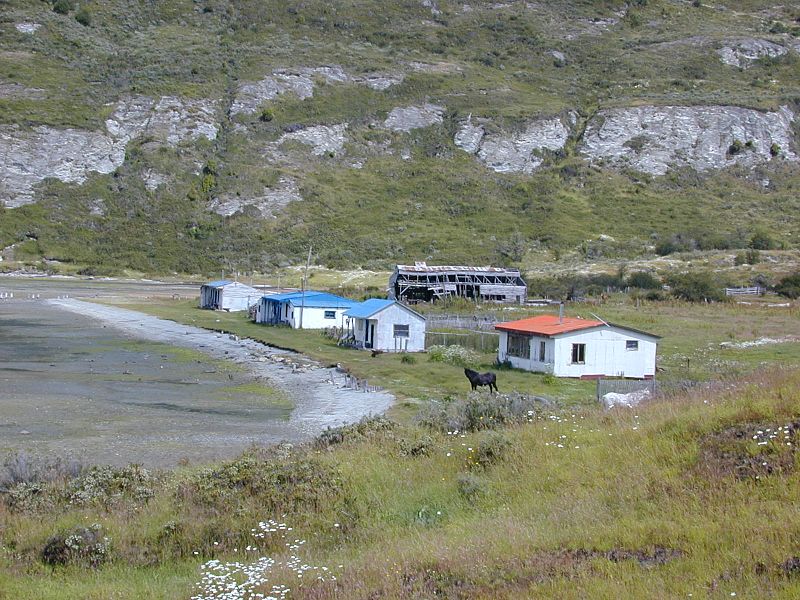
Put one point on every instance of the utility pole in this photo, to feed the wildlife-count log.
(303, 284)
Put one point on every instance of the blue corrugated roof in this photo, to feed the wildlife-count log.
(323, 301)
(289, 295)
(368, 308)
(219, 283)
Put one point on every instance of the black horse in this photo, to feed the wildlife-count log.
(476, 379)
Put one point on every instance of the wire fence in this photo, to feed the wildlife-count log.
(480, 341)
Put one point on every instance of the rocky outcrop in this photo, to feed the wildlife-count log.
(653, 139)
(413, 117)
(29, 28)
(469, 136)
(28, 157)
(301, 82)
(70, 155)
(743, 52)
(168, 119)
(321, 138)
(513, 152)
(267, 205)
(153, 179)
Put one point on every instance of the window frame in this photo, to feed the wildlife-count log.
(631, 345)
(518, 346)
(578, 356)
(542, 351)
(329, 314)
(403, 327)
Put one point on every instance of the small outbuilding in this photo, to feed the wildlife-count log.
(385, 325)
(228, 295)
(307, 310)
(570, 347)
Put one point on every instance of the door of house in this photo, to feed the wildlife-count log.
(370, 339)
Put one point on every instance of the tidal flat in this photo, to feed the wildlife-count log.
(73, 387)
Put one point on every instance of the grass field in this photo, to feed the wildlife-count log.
(673, 499)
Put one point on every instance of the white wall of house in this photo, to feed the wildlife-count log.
(383, 335)
(315, 317)
(607, 351)
(232, 297)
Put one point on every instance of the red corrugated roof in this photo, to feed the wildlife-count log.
(547, 325)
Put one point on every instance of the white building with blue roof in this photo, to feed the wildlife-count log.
(386, 325)
(307, 310)
(228, 295)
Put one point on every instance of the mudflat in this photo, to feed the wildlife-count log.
(109, 385)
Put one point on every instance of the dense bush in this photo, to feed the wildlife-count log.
(454, 355)
(480, 411)
(366, 428)
(106, 485)
(492, 448)
(789, 286)
(696, 287)
(644, 281)
(62, 7)
(293, 484)
(87, 546)
(470, 487)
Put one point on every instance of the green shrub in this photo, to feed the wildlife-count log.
(750, 257)
(789, 286)
(643, 281)
(83, 17)
(549, 379)
(491, 449)
(408, 359)
(266, 115)
(454, 355)
(696, 287)
(762, 240)
(62, 7)
(366, 428)
(292, 484)
(774, 149)
(419, 445)
(480, 411)
(105, 485)
(88, 546)
(470, 487)
(735, 147)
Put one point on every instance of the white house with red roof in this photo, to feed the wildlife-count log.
(571, 347)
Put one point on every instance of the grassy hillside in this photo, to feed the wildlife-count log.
(492, 62)
(692, 495)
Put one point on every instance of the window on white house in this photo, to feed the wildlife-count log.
(542, 348)
(330, 314)
(578, 354)
(400, 330)
(518, 346)
(631, 344)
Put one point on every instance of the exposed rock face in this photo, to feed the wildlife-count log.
(413, 117)
(513, 153)
(29, 28)
(744, 52)
(169, 119)
(153, 179)
(28, 157)
(469, 137)
(268, 205)
(300, 82)
(97, 207)
(652, 139)
(322, 138)
(16, 90)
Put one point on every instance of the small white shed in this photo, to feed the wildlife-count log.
(570, 347)
(386, 325)
(228, 295)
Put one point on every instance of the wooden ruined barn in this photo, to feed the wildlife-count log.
(423, 283)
